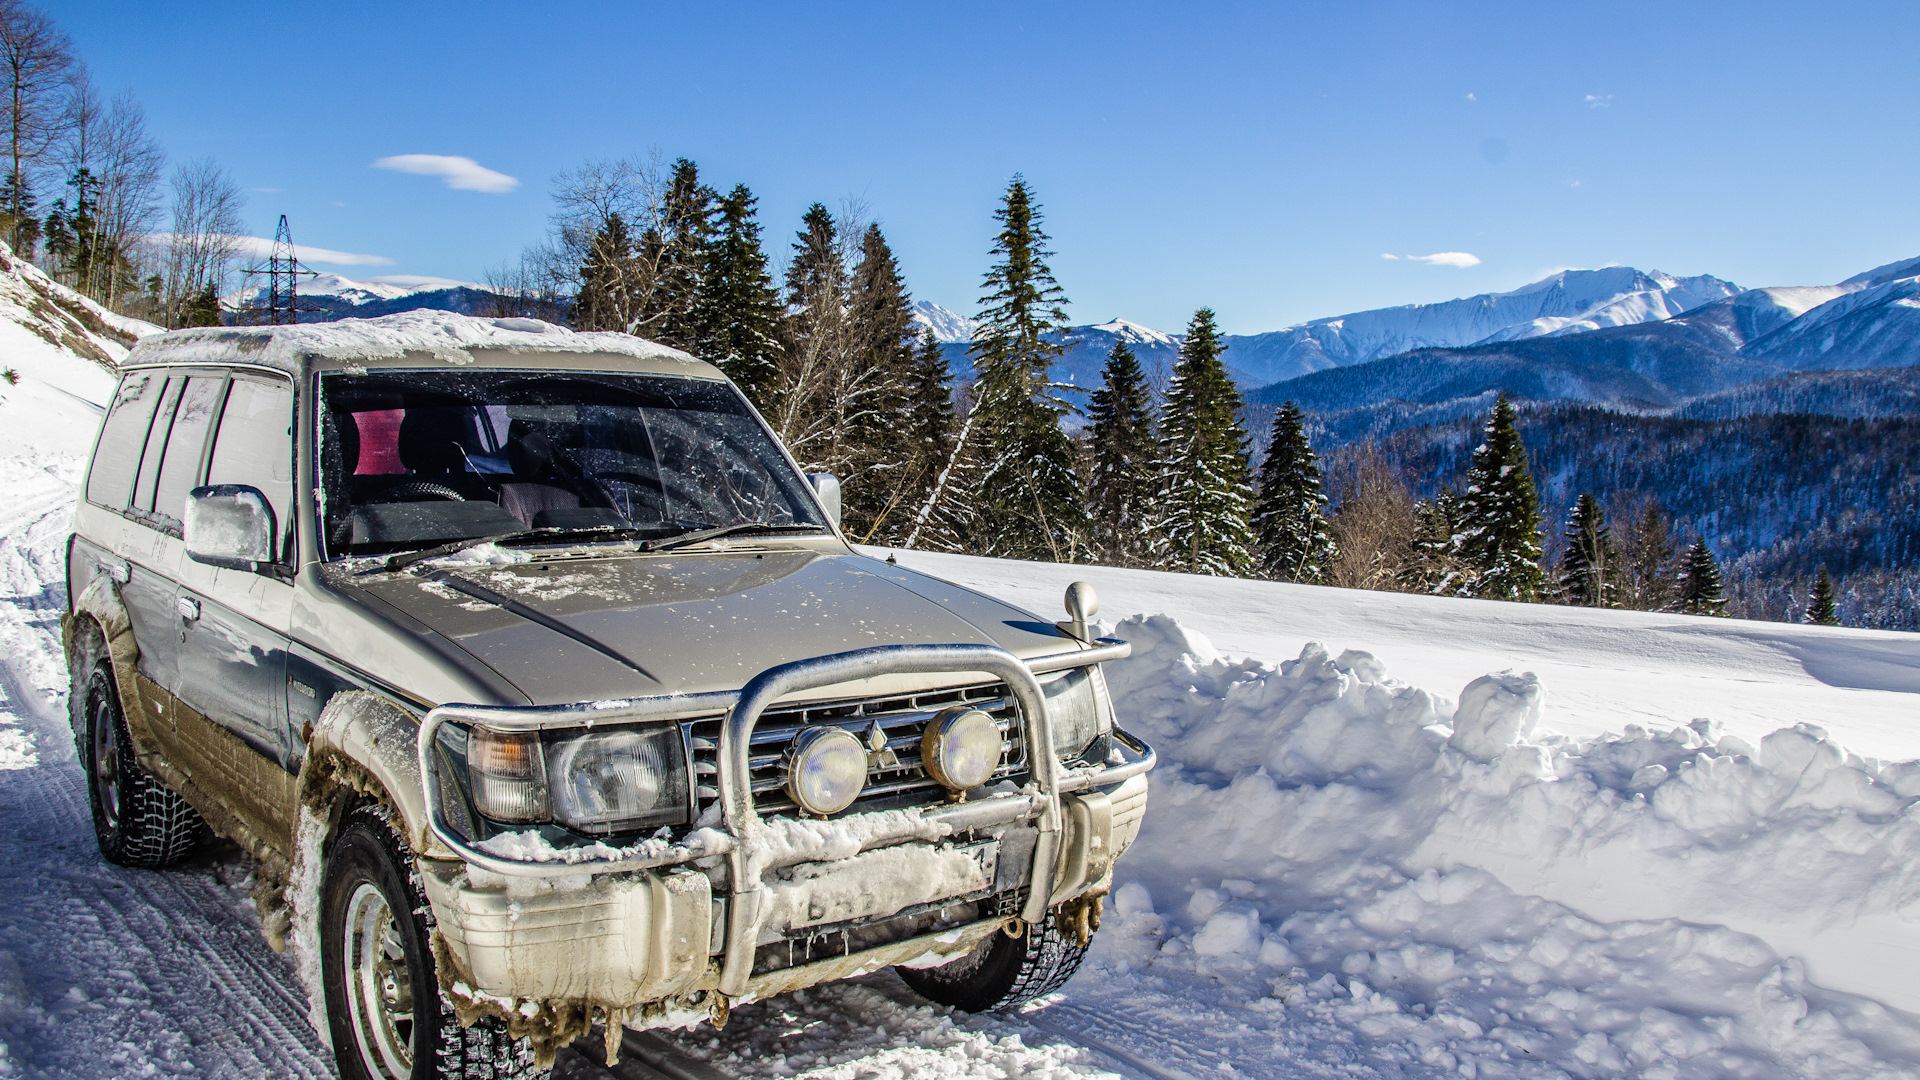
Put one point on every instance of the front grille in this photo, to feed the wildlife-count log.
(901, 717)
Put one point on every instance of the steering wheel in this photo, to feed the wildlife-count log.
(417, 490)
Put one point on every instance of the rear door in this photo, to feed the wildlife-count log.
(233, 658)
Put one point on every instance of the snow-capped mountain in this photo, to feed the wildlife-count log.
(1568, 302)
(331, 296)
(1735, 356)
(948, 327)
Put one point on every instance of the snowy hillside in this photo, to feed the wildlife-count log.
(948, 327)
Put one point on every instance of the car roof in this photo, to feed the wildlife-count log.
(413, 339)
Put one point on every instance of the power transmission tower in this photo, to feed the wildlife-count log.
(282, 271)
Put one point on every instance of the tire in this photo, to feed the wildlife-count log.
(137, 820)
(1002, 972)
(385, 1010)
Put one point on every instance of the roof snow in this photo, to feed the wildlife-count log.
(442, 334)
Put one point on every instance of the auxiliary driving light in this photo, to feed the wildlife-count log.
(961, 748)
(826, 768)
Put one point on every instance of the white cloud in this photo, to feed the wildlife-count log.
(259, 247)
(1459, 259)
(460, 173)
(1599, 101)
(1470, 97)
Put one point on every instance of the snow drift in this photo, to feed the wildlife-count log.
(1363, 851)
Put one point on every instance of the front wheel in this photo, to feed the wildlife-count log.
(1002, 972)
(388, 1018)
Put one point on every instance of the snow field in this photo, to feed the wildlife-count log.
(1327, 843)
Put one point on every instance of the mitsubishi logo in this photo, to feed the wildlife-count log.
(878, 756)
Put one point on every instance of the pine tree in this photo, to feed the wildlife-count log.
(1822, 610)
(1589, 566)
(1433, 567)
(676, 251)
(201, 308)
(605, 300)
(880, 320)
(1293, 539)
(1030, 502)
(1202, 525)
(1125, 460)
(738, 310)
(1648, 561)
(934, 519)
(1701, 589)
(1499, 536)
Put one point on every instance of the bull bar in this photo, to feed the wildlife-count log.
(742, 708)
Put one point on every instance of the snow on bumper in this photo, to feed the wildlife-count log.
(632, 939)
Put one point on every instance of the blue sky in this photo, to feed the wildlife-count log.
(1258, 158)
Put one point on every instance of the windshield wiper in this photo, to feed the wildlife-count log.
(453, 547)
(666, 543)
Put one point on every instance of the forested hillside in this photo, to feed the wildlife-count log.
(1775, 496)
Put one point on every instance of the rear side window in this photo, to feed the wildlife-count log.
(186, 442)
(254, 445)
(122, 437)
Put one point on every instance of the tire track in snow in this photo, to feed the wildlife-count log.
(121, 972)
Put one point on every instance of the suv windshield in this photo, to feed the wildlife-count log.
(411, 459)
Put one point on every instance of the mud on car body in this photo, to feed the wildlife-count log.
(546, 693)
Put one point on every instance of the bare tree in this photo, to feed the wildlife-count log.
(1373, 518)
(205, 237)
(35, 59)
(113, 166)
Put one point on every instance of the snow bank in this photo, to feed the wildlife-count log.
(1358, 850)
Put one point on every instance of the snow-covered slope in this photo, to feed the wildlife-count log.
(947, 326)
(331, 296)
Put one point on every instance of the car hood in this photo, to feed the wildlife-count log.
(585, 629)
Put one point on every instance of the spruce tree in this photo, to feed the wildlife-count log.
(1822, 609)
(605, 299)
(201, 308)
(1701, 588)
(1648, 561)
(1499, 536)
(1202, 525)
(1029, 491)
(880, 346)
(1125, 460)
(1293, 539)
(1432, 566)
(739, 311)
(1589, 565)
(938, 516)
(675, 251)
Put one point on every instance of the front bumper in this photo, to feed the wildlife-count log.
(662, 921)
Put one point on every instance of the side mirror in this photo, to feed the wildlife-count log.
(827, 487)
(229, 525)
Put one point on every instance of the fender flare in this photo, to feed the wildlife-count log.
(365, 744)
(100, 604)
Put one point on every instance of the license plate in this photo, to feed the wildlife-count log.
(986, 856)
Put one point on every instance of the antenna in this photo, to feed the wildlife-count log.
(282, 271)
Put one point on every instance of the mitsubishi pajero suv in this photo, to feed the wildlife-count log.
(545, 693)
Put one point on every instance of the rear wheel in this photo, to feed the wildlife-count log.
(137, 820)
(1003, 971)
(388, 1018)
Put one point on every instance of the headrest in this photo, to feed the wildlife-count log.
(430, 440)
(529, 452)
(343, 444)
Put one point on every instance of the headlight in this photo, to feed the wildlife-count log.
(618, 780)
(1074, 711)
(960, 748)
(615, 780)
(826, 768)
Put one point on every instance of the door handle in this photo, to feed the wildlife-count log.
(188, 607)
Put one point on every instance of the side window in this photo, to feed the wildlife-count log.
(156, 439)
(186, 442)
(123, 434)
(254, 445)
